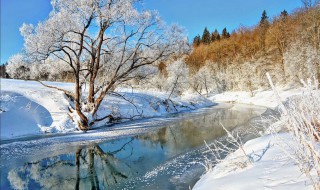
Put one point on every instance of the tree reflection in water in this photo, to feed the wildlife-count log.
(89, 168)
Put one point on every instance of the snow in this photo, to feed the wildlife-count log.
(29, 108)
(21, 111)
(271, 169)
(261, 98)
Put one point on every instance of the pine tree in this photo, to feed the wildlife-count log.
(264, 18)
(196, 40)
(284, 15)
(215, 36)
(206, 38)
(263, 28)
(225, 34)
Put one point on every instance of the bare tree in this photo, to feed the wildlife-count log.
(310, 3)
(104, 42)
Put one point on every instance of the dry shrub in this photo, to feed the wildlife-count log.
(300, 116)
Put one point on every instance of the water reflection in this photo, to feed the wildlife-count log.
(161, 159)
(191, 132)
(88, 168)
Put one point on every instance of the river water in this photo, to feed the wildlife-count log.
(157, 153)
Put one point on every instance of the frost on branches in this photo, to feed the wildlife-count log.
(300, 117)
(104, 43)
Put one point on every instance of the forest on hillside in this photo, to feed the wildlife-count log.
(286, 46)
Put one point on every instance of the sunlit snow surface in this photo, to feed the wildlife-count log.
(275, 169)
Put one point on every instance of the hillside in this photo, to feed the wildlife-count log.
(286, 46)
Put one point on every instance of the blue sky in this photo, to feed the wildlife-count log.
(194, 15)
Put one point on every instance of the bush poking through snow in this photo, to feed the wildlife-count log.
(300, 116)
(225, 146)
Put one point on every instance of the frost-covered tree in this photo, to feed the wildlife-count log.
(104, 42)
(156, 81)
(18, 67)
(177, 80)
(204, 79)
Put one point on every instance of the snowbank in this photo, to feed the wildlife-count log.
(261, 98)
(29, 108)
(271, 169)
(273, 166)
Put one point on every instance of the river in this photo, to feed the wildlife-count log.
(155, 153)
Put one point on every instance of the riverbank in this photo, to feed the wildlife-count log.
(274, 163)
(271, 168)
(264, 98)
(29, 108)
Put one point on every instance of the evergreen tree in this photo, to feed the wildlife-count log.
(263, 28)
(215, 35)
(284, 14)
(225, 34)
(206, 38)
(264, 19)
(196, 40)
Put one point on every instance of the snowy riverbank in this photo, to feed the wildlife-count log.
(273, 166)
(264, 98)
(28, 108)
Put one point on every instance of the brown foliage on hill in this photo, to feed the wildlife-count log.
(248, 44)
(287, 46)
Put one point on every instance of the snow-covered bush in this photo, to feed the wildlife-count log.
(231, 143)
(300, 116)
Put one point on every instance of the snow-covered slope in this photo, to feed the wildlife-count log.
(271, 169)
(30, 108)
(27, 107)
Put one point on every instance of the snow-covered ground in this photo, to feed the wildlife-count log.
(261, 98)
(271, 168)
(29, 108)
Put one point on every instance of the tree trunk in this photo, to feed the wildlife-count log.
(91, 91)
(83, 123)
